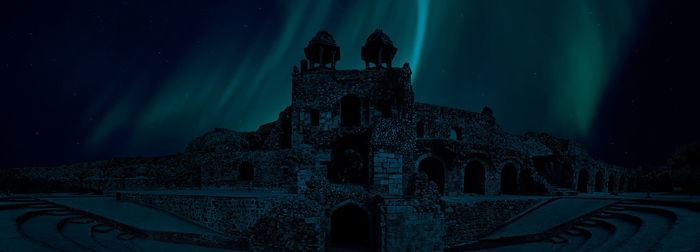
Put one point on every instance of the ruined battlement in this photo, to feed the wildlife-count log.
(353, 144)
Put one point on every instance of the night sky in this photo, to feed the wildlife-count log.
(86, 80)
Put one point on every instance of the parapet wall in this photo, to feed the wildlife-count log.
(469, 220)
(279, 221)
(171, 172)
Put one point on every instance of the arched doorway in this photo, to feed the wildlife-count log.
(509, 179)
(474, 176)
(350, 111)
(433, 168)
(622, 184)
(246, 172)
(349, 227)
(611, 183)
(599, 181)
(583, 181)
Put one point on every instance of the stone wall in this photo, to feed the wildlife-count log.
(392, 145)
(323, 90)
(471, 219)
(410, 225)
(438, 121)
(271, 136)
(171, 172)
(388, 172)
(273, 221)
(273, 170)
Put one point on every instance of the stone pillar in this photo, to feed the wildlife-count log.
(320, 57)
(333, 59)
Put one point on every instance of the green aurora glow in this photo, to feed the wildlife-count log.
(540, 65)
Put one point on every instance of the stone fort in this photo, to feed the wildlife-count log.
(354, 161)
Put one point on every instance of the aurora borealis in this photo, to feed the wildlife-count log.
(90, 80)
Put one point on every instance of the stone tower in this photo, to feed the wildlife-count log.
(322, 50)
(378, 50)
(347, 115)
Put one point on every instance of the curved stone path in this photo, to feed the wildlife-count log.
(626, 225)
(30, 224)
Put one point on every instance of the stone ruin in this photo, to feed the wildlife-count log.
(354, 161)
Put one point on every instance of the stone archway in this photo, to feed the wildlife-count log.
(622, 184)
(583, 181)
(611, 183)
(474, 177)
(509, 179)
(433, 167)
(599, 181)
(349, 227)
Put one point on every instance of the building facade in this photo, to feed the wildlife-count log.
(354, 161)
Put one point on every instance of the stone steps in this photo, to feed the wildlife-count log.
(109, 240)
(12, 239)
(652, 229)
(79, 234)
(625, 226)
(599, 235)
(34, 225)
(683, 229)
(624, 229)
(41, 228)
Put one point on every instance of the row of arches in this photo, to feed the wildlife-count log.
(599, 182)
(474, 176)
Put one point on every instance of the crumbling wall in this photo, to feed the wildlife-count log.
(469, 220)
(273, 170)
(323, 90)
(271, 221)
(172, 172)
(392, 145)
(413, 223)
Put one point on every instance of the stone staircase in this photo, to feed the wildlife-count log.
(30, 224)
(628, 225)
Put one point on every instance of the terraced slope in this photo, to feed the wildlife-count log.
(628, 225)
(29, 224)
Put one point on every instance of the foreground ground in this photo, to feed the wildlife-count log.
(595, 222)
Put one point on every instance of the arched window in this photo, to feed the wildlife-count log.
(583, 181)
(433, 168)
(350, 111)
(599, 181)
(315, 117)
(246, 172)
(456, 133)
(509, 179)
(349, 227)
(474, 177)
(611, 183)
(622, 184)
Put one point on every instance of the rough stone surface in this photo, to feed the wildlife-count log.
(352, 138)
(468, 221)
